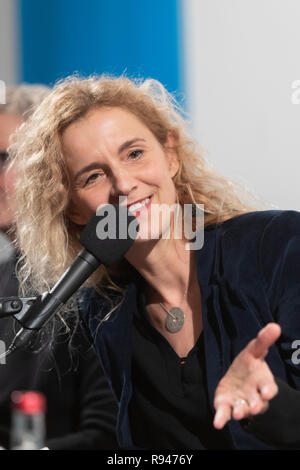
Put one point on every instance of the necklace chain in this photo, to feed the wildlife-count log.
(175, 316)
(184, 295)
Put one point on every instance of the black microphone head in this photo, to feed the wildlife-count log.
(110, 233)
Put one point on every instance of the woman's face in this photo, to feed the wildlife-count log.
(111, 153)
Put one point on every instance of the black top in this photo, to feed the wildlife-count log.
(169, 408)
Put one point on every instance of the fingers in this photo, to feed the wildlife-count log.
(243, 405)
(226, 411)
(264, 408)
(255, 403)
(243, 409)
(223, 414)
(265, 338)
(268, 390)
(238, 410)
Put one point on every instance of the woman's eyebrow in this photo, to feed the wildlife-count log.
(128, 143)
(96, 165)
(85, 169)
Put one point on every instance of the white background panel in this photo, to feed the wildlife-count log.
(241, 59)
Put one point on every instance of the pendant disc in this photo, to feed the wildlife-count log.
(174, 320)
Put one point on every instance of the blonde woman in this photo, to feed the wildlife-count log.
(95, 141)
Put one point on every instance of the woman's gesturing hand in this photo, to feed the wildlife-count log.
(248, 385)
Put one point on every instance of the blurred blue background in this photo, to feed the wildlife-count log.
(141, 38)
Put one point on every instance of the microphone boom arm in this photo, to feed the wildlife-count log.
(16, 307)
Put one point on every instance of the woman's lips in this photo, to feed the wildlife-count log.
(144, 208)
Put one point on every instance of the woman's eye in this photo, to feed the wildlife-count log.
(91, 178)
(135, 154)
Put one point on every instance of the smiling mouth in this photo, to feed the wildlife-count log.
(140, 206)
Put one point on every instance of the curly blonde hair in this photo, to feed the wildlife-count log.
(47, 238)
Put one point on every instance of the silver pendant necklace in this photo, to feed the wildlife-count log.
(175, 316)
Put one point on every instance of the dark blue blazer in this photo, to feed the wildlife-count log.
(248, 273)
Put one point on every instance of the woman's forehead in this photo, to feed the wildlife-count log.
(97, 124)
(105, 115)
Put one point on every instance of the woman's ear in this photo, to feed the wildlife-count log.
(171, 153)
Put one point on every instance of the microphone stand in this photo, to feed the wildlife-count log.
(18, 307)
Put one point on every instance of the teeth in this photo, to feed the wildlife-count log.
(138, 205)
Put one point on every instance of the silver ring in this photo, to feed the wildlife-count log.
(240, 402)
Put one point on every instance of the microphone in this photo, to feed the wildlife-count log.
(100, 247)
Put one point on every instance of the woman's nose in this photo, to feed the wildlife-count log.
(123, 182)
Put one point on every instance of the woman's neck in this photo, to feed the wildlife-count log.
(167, 267)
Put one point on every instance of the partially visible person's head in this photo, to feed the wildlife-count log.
(20, 102)
(44, 148)
(8, 124)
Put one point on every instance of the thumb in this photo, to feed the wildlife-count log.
(266, 337)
